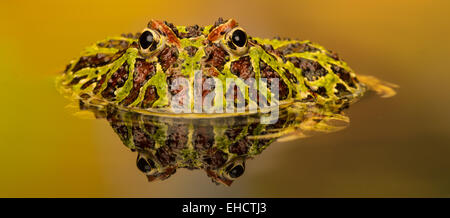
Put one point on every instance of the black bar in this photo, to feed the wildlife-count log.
(259, 207)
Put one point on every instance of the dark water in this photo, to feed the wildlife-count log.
(398, 146)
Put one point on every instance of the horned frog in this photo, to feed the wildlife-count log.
(137, 72)
(137, 75)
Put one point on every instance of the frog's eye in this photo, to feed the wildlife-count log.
(148, 40)
(239, 38)
(236, 41)
(235, 170)
(144, 165)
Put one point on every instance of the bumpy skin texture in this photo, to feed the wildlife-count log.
(118, 71)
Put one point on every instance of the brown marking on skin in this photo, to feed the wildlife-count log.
(177, 136)
(344, 75)
(165, 155)
(211, 72)
(192, 31)
(203, 137)
(291, 79)
(222, 29)
(117, 80)
(96, 60)
(129, 35)
(141, 139)
(120, 129)
(215, 56)
(169, 171)
(240, 147)
(341, 90)
(76, 80)
(167, 57)
(322, 91)
(243, 68)
(67, 68)
(215, 158)
(191, 50)
(151, 129)
(118, 126)
(161, 26)
(311, 70)
(290, 76)
(268, 72)
(215, 178)
(114, 43)
(143, 71)
(150, 97)
(88, 83)
(296, 48)
(100, 83)
(232, 133)
(270, 50)
(315, 92)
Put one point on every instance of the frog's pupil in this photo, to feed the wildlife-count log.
(239, 38)
(143, 165)
(236, 171)
(146, 39)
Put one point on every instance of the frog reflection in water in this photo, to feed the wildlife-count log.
(129, 80)
(219, 146)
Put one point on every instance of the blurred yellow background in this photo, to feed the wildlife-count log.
(398, 147)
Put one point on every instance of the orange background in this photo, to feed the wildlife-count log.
(393, 147)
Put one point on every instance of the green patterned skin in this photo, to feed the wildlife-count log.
(121, 72)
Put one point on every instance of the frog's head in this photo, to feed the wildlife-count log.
(212, 50)
(181, 50)
(221, 50)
